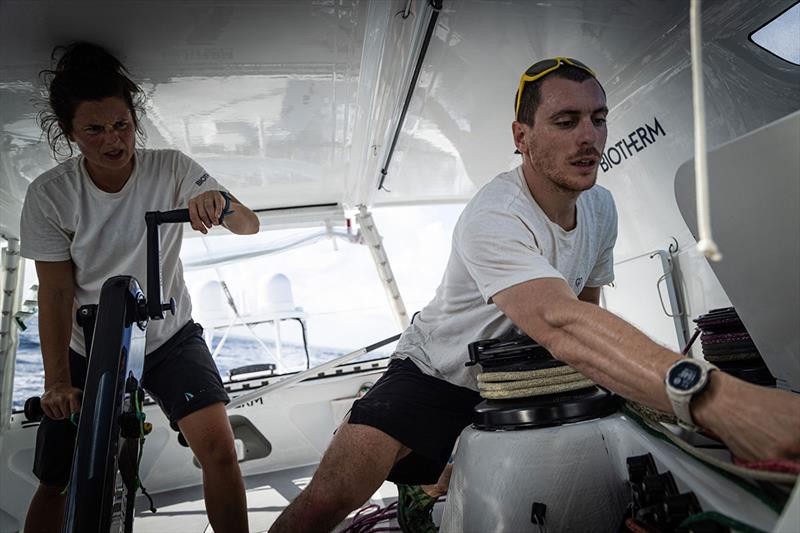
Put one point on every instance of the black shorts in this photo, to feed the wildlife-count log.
(424, 413)
(180, 375)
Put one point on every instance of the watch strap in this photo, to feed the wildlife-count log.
(682, 402)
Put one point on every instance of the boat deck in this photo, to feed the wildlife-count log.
(183, 511)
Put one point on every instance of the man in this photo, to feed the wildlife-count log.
(531, 249)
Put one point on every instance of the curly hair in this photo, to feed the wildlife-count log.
(83, 72)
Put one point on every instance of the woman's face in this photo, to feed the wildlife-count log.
(105, 133)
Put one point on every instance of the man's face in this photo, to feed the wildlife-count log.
(569, 133)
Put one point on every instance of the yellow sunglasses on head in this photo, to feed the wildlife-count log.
(543, 68)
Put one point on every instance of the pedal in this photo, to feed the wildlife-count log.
(132, 425)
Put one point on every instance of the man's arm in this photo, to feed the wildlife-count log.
(755, 422)
(590, 295)
(56, 295)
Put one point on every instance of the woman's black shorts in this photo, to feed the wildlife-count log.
(180, 375)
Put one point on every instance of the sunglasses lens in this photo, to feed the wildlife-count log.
(578, 63)
(541, 66)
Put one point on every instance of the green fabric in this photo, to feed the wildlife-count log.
(414, 509)
(719, 518)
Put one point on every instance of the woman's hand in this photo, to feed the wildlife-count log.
(60, 400)
(205, 210)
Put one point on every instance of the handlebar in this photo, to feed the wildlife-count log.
(34, 413)
(170, 217)
(155, 297)
(33, 409)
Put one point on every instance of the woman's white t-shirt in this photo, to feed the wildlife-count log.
(67, 217)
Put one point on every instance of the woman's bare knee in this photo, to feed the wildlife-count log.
(208, 433)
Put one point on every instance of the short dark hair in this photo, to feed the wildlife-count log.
(531, 92)
(83, 72)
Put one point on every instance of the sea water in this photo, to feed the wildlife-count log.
(237, 351)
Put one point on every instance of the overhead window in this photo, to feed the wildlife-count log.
(781, 35)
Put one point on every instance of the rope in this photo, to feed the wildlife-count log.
(755, 475)
(738, 475)
(531, 383)
(369, 516)
(527, 374)
(537, 391)
(651, 414)
(140, 416)
(528, 383)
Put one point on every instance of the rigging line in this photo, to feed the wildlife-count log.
(288, 244)
(706, 244)
(436, 6)
(305, 340)
(221, 343)
(307, 374)
(232, 304)
(407, 11)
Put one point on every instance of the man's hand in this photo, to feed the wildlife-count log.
(205, 210)
(60, 400)
(757, 423)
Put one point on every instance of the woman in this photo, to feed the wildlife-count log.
(82, 222)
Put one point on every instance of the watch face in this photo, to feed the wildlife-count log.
(684, 375)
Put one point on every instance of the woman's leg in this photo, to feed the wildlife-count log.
(210, 437)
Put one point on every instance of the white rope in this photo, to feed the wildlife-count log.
(537, 391)
(706, 243)
(526, 374)
(528, 383)
(749, 473)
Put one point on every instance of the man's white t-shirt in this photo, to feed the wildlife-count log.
(66, 216)
(503, 238)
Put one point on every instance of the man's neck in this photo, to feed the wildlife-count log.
(558, 204)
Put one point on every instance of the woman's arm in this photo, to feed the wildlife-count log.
(206, 208)
(56, 296)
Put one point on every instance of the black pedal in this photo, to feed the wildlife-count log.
(133, 426)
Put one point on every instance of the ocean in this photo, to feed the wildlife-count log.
(237, 351)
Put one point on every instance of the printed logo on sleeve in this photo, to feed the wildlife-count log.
(579, 282)
(202, 179)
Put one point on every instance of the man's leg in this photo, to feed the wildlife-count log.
(209, 434)
(46, 510)
(356, 463)
(440, 488)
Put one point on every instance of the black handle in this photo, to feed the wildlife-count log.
(171, 217)
(33, 409)
(155, 296)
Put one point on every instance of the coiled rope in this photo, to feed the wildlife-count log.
(523, 384)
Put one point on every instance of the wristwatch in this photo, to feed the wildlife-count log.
(227, 209)
(685, 380)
